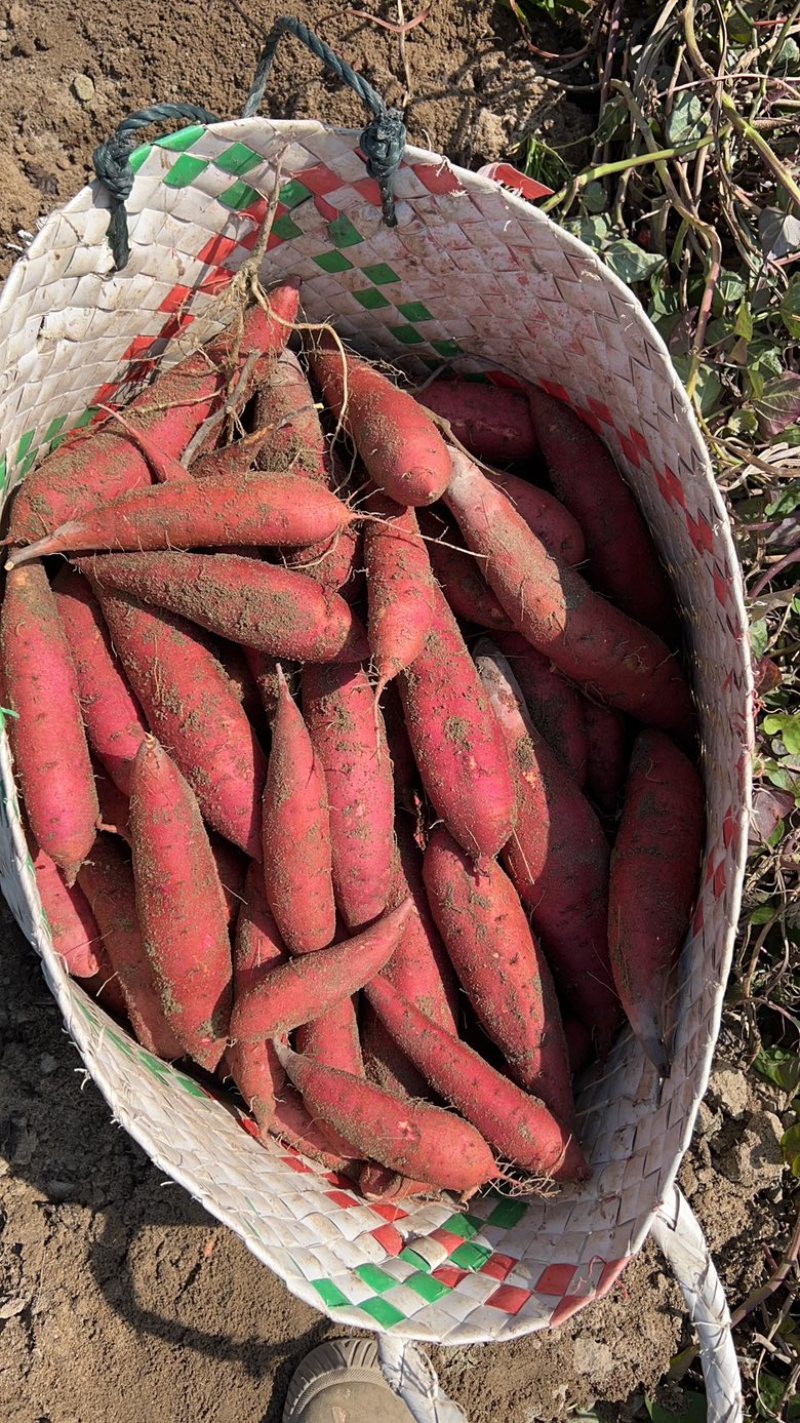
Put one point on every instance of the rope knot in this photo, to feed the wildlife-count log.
(383, 141)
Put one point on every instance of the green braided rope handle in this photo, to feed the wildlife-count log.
(383, 140)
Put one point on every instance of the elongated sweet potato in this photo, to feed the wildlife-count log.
(378, 1183)
(332, 1039)
(459, 574)
(501, 968)
(492, 423)
(655, 868)
(257, 948)
(73, 927)
(348, 736)
(180, 906)
(243, 599)
(420, 968)
(608, 746)
(385, 1062)
(192, 709)
(456, 741)
(592, 642)
(400, 589)
(556, 707)
(545, 516)
(48, 741)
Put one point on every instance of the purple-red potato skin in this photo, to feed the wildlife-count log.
(399, 588)
(587, 638)
(411, 1138)
(286, 411)
(459, 574)
(579, 1044)
(502, 969)
(259, 604)
(114, 806)
(516, 1124)
(333, 1039)
(557, 859)
(48, 742)
(73, 927)
(107, 881)
(420, 968)
(309, 985)
(378, 1183)
(232, 869)
(349, 738)
(114, 721)
(264, 671)
(655, 868)
(556, 707)
(456, 741)
(192, 709)
(622, 559)
(257, 948)
(386, 1064)
(400, 447)
(253, 508)
(545, 516)
(233, 658)
(181, 906)
(608, 741)
(104, 464)
(404, 768)
(494, 424)
(296, 834)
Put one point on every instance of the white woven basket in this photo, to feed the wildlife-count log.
(474, 274)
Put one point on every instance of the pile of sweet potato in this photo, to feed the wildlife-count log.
(356, 772)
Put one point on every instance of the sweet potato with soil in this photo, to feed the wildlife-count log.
(181, 906)
(459, 574)
(420, 969)
(502, 969)
(655, 869)
(623, 562)
(378, 1183)
(47, 738)
(114, 806)
(253, 508)
(592, 642)
(271, 609)
(493, 423)
(106, 879)
(309, 985)
(557, 859)
(192, 709)
(579, 1044)
(285, 407)
(400, 589)
(232, 869)
(235, 663)
(385, 1063)
(333, 1039)
(103, 464)
(296, 833)
(264, 671)
(404, 767)
(556, 707)
(416, 1140)
(517, 1125)
(73, 927)
(545, 516)
(348, 736)
(456, 741)
(608, 739)
(400, 446)
(114, 721)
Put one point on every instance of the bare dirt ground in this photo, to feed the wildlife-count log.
(120, 1299)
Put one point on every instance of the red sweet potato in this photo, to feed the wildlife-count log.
(332, 1039)
(232, 869)
(296, 834)
(311, 984)
(402, 451)
(593, 643)
(608, 748)
(501, 968)
(411, 1138)
(286, 409)
(114, 806)
(655, 868)
(404, 767)
(48, 741)
(494, 424)
(378, 1183)
(385, 1063)
(257, 949)
(420, 969)
(555, 706)
(623, 562)
(243, 599)
(548, 519)
(517, 1125)
(557, 859)
(114, 721)
(348, 736)
(103, 464)
(192, 709)
(456, 741)
(181, 906)
(400, 589)
(459, 574)
(73, 927)
(106, 879)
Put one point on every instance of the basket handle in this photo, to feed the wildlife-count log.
(383, 140)
(678, 1235)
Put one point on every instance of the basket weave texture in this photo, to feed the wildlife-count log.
(473, 275)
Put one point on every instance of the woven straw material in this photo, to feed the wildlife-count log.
(474, 274)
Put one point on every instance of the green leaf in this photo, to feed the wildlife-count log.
(591, 230)
(763, 915)
(782, 1068)
(777, 834)
(594, 197)
(768, 358)
(631, 263)
(787, 727)
(666, 302)
(759, 637)
(778, 405)
(613, 119)
(730, 288)
(743, 326)
(788, 437)
(692, 1409)
(770, 1395)
(788, 58)
(708, 387)
(783, 777)
(790, 308)
(688, 121)
(786, 503)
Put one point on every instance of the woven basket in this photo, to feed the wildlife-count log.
(473, 275)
